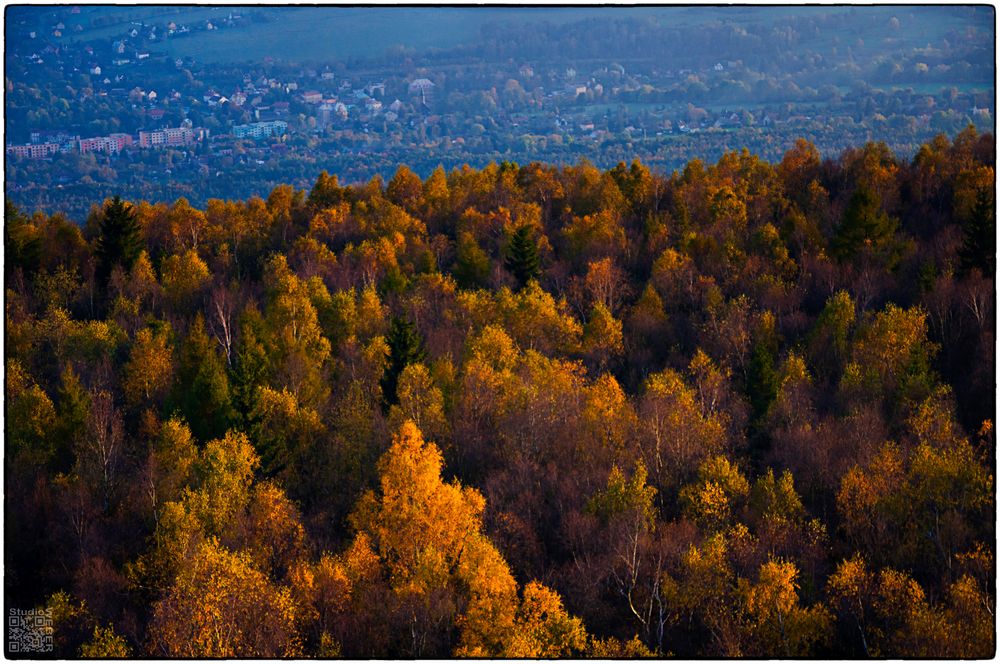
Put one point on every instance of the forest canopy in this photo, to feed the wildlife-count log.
(525, 411)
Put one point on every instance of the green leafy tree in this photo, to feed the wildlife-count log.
(472, 267)
(30, 417)
(105, 644)
(22, 241)
(719, 489)
(325, 193)
(283, 430)
(828, 343)
(301, 350)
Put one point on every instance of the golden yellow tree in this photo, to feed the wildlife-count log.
(183, 276)
(105, 644)
(719, 489)
(703, 589)
(149, 370)
(778, 625)
(428, 537)
(543, 628)
(420, 401)
(851, 590)
(602, 337)
(221, 606)
(679, 436)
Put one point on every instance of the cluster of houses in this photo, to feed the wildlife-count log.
(327, 106)
(271, 103)
(46, 144)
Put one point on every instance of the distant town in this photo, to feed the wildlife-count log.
(127, 116)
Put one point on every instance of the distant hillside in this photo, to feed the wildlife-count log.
(317, 34)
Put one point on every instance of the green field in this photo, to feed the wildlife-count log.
(128, 14)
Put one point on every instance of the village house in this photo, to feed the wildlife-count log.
(324, 114)
(421, 86)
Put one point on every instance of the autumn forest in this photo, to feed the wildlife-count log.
(742, 410)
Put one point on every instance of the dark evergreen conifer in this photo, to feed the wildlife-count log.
(120, 239)
(522, 256)
(72, 407)
(406, 347)
(979, 241)
(252, 367)
(201, 393)
(865, 225)
(762, 379)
